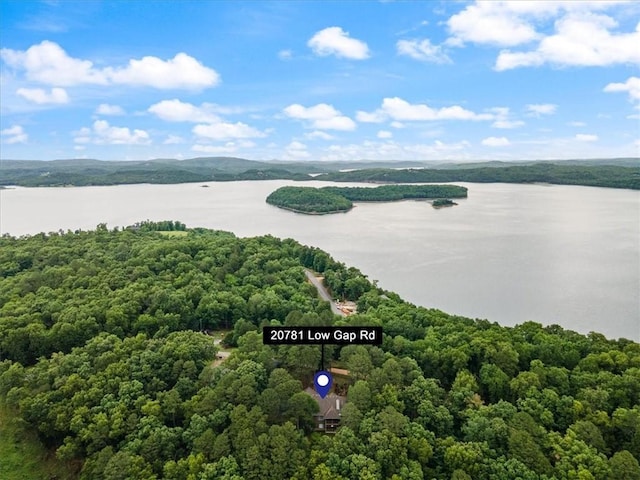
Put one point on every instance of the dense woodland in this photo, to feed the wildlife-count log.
(149, 175)
(339, 199)
(390, 193)
(101, 352)
(543, 172)
(615, 173)
(309, 200)
(443, 202)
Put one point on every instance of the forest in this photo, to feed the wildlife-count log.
(339, 199)
(443, 202)
(543, 172)
(104, 352)
(309, 200)
(391, 193)
(613, 173)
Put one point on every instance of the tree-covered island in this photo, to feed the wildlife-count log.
(442, 202)
(314, 201)
(339, 199)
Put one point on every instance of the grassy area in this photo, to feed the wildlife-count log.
(175, 233)
(23, 457)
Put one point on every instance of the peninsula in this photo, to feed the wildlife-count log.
(125, 384)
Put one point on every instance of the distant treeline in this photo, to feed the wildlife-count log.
(339, 199)
(163, 226)
(621, 173)
(152, 176)
(158, 174)
(595, 176)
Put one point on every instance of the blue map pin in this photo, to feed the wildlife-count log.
(322, 381)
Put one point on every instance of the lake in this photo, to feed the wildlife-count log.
(566, 255)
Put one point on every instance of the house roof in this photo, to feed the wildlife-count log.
(330, 405)
(339, 371)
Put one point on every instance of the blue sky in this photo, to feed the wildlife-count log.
(341, 80)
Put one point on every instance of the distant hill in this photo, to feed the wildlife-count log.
(97, 172)
(78, 172)
(222, 164)
(610, 176)
(620, 162)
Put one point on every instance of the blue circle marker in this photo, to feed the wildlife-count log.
(322, 381)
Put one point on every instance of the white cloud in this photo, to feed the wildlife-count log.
(496, 142)
(422, 50)
(295, 145)
(384, 134)
(585, 137)
(502, 119)
(14, 134)
(335, 41)
(577, 124)
(581, 39)
(102, 133)
(550, 148)
(370, 117)
(321, 116)
(181, 71)
(225, 130)
(210, 125)
(504, 123)
(396, 124)
(173, 140)
(229, 147)
(318, 134)
(631, 86)
(582, 35)
(339, 122)
(443, 147)
(490, 23)
(400, 110)
(538, 109)
(106, 109)
(119, 135)
(295, 110)
(48, 63)
(177, 111)
(390, 150)
(285, 54)
(83, 135)
(296, 150)
(40, 96)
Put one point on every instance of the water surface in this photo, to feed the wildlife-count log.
(509, 253)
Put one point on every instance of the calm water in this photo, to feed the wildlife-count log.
(509, 253)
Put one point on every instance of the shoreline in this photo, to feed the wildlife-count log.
(310, 213)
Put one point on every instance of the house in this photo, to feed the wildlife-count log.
(329, 415)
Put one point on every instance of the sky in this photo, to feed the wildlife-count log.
(325, 80)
